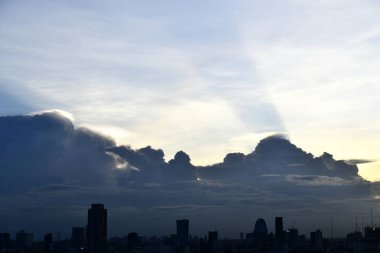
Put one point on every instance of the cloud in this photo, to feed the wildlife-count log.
(358, 161)
(277, 155)
(185, 83)
(59, 187)
(46, 148)
(46, 163)
(317, 180)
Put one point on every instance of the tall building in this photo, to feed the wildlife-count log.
(260, 233)
(77, 240)
(213, 241)
(5, 239)
(260, 228)
(372, 232)
(23, 239)
(212, 236)
(97, 229)
(48, 242)
(279, 230)
(292, 236)
(182, 232)
(316, 239)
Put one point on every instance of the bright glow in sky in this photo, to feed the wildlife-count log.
(206, 77)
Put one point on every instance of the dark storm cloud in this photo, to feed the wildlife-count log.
(276, 155)
(47, 164)
(43, 149)
(148, 164)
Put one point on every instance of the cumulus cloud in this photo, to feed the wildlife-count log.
(277, 155)
(47, 149)
(46, 163)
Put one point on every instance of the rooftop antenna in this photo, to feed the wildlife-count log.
(332, 229)
(362, 225)
(356, 223)
(356, 234)
(371, 218)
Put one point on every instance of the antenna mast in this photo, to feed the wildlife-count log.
(356, 223)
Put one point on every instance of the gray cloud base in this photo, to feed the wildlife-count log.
(51, 172)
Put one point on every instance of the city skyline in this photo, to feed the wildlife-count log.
(94, 238)
(97, 221)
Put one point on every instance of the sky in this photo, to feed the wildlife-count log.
(197, 76)
(206, 77)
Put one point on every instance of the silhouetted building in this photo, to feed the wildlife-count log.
(77, 239)
(23, 239)
(133, 239)
(279, 230)
(212, 236)
(372, 232)
(260, 227)
(213, 245)
(316, 239)
(182, 232)
(48, 242)
(97, 229)
(260, 233)
(292, 236)
(354, 241)
(5, 240)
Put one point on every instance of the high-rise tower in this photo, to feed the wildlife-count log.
(97, 229)
(77, 240)
(279, 230)
(260, 233)
(182, 232)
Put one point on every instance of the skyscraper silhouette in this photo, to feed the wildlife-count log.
(77, 240)
(316, 239)
(182, 232)
(48, 242)
(97, 229)
(260, 233)
(213, 241)
(279, 230)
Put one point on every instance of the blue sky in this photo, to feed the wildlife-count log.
(206, 77)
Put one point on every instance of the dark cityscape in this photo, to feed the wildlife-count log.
(93, 239)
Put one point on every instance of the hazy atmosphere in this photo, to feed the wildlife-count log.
(219, 111)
